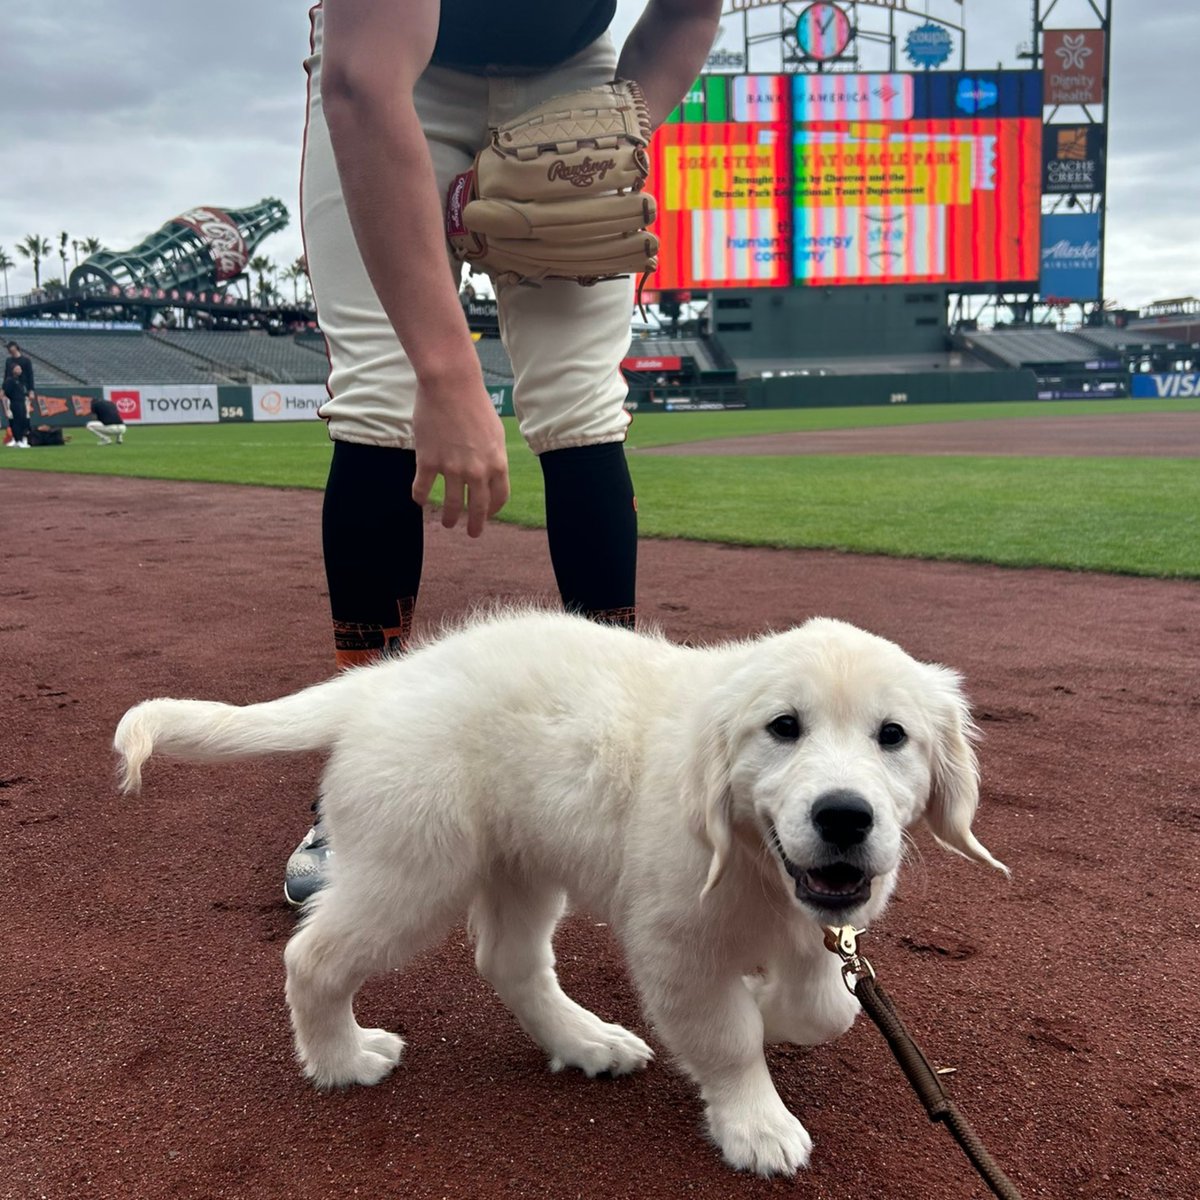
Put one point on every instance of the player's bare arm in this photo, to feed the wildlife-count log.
(666, 49)
(373, 55)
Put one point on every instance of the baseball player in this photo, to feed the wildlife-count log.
(522, 117)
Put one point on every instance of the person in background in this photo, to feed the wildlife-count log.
(401, 96)
(18, 358)
(16, 404)
(107, 425)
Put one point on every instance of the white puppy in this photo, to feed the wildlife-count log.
(718, 806)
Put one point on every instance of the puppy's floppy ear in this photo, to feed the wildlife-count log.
(706, 778)
(954, 794)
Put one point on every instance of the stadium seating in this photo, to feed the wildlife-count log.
(251, 356)
(198, 356)
(1107, 338)
(107, 358)
(694, 348)
(493, 358)
(1028, 347)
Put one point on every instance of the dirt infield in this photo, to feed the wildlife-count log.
(146, 1048)
(1149, 435)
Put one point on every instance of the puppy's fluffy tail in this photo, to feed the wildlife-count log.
(204, 731)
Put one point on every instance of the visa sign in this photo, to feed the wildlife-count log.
(1186, 383)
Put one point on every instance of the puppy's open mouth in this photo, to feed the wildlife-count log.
(834, 886)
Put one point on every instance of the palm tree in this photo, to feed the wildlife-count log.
(262, 267)
(6, 265)
(88, 247)
(294, 272)
(63, 239)
(301, 265)
(34, 247)
(268, 293)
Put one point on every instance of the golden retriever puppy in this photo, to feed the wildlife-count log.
(718, 806)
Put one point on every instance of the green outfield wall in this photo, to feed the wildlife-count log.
(925, 387)
(210, 404)
(196, 404)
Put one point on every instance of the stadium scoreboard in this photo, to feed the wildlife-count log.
(849, 179)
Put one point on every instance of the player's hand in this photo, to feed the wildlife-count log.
(460, 437)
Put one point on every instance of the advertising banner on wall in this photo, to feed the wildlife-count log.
(1070, 256)
(1182, 383)
(165, 404)
(663, 363)
(1073, 68)
(502, 398)
(1072, 159)
(287, 402)
(63, 405)
(821, 179)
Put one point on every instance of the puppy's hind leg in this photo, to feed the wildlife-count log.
(339, 945)
(513, 924)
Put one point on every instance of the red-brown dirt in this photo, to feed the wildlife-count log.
(146, 1048)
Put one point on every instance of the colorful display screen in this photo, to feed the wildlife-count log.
(824, 179)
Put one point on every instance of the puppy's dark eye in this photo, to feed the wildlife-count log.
(891, 734)
(786, 728)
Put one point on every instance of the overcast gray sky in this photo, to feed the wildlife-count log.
(117, 115)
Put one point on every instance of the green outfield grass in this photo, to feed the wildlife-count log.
(1126, 515)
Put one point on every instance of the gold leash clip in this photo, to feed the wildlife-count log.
(842, 940)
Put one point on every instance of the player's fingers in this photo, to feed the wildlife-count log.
(423, 483)
(479, 508)
(498, 493)
(452, 504)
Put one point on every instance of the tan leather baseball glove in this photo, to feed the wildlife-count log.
(557, 194)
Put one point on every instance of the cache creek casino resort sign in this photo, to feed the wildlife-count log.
(831, 178)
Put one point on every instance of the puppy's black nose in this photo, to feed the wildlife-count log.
(843, 818)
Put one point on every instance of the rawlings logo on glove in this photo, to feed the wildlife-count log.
(583, 174)
(557, 194)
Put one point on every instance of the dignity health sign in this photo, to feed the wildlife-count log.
(1070, 256)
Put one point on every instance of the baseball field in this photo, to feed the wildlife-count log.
(1048, 552)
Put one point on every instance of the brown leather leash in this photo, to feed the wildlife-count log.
(843, 941)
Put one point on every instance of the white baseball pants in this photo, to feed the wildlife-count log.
(565, 341)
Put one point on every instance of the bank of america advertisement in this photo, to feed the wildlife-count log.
(777, 180)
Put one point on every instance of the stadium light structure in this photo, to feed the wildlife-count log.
(202, 249)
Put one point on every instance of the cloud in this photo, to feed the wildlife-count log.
(129, 113)
(119, 114)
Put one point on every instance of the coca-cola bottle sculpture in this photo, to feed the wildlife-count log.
(201, 249)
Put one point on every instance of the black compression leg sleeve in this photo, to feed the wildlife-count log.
(374, 542)
(591, 524)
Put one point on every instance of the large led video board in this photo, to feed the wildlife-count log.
(827, 179)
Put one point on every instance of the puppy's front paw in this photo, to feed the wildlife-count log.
(385, 1043)
(371, 1058)
(604, 1050)
(768, 1143)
